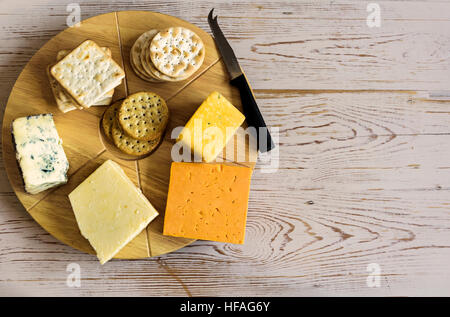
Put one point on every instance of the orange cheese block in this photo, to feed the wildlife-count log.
(207, 201)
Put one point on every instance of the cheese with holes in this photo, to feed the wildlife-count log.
(39, 152)
(208, 202)
(110, 210)
(211, 127)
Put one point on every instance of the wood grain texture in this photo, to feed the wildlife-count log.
(31, 94)
(363, 169)
(322, 44)
(52, 209)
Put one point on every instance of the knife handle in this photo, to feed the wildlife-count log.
(251, 111)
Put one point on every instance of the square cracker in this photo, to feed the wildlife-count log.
(87, 73)
(64, 101)
(104, 100)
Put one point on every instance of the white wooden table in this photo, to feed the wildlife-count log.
(364, 175)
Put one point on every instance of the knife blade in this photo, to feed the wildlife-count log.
(237, 78)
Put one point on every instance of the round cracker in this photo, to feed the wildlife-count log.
(143, 115)
(141, 74)
(177, 51)
(109, 117)
(147, 63)
(129, 145)
(135, 53)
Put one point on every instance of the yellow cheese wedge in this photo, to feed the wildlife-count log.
(211, 127)
(110, 210)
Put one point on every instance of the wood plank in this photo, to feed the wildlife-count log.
(313, 233)
(362, 178)
(315, 128)
(321, 45)
(300, 240)
(326, 214)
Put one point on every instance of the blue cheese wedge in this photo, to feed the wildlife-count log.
(110, 210)
(39, 152)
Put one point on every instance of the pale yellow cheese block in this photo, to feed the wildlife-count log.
(211, 127)
(110, 210)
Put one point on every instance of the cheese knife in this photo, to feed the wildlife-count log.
(237, 78)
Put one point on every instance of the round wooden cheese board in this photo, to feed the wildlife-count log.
(80, 130)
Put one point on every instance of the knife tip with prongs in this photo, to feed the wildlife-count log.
(210, 16)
